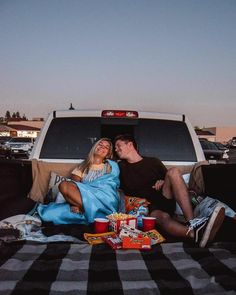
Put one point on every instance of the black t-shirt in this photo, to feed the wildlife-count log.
(137, 179)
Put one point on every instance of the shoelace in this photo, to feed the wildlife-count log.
(193, 223)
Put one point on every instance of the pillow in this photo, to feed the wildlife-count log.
(41, 172)
(56, 179)
(53, 191)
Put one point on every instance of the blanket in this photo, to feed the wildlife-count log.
(100, 198)
(168, 268)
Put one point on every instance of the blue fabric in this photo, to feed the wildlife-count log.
(100, 198)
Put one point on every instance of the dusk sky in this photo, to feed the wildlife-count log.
(174, 56)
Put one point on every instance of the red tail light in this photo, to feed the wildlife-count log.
(119, 114)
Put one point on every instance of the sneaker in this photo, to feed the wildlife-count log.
(196, 224)
(205, 228)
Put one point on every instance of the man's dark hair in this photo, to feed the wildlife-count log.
(126, 138)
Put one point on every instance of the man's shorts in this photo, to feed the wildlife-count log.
(163, 204)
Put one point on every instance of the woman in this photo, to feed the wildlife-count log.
(91, 193)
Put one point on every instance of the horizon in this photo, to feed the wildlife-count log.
(35, 118)
(157, 55)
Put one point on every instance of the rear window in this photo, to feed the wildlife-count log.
(207, 145)
(168, 140)
(72, 138)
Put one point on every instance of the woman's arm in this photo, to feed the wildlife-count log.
(75, 177)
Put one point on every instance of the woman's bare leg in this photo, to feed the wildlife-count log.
(72, 195)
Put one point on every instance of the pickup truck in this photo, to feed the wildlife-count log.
(79, 268)
(17, 147)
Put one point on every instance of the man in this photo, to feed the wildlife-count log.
(149, 178)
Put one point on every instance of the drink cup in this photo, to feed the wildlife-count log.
(148, 223)
(101, 225)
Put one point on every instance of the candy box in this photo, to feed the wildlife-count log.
(94, 239)
(155, 236)
(128, 231)
(119, 219)
(113, 240)
(139, 242)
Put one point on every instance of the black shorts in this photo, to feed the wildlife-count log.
(163, 204)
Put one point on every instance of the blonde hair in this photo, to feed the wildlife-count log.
(86, 164)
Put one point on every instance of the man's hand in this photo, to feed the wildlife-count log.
(158, 185)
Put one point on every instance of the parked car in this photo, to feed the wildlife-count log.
(5, 150)
(213, 152)
(221, 146)
(17, 147)
(232, 142)
(4, 139)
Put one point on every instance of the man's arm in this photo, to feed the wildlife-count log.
(161, 171)
(158, 185)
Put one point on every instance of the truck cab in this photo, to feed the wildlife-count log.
(67, 136)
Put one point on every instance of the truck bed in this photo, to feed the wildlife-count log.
(172, 267)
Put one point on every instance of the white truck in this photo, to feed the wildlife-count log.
(172, 267)
(67, 136)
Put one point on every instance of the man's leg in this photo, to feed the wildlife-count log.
(175, 187)
(170, 226)
(72, 195)
(200, 230)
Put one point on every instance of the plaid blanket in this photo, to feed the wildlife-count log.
(66, 268)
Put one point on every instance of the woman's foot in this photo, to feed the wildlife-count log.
(76, 209)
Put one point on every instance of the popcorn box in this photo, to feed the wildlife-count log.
(119, 219)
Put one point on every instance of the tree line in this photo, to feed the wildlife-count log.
(15, 116)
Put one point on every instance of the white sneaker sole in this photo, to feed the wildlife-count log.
(213, 225)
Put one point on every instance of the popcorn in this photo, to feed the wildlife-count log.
(119, 216)
(119, 219)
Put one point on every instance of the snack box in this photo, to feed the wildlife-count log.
(139, 242)
(94, 239)
(128, 231)
(119, 219)
(113, 240)
(155, 236)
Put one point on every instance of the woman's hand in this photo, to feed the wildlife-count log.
(158, 185)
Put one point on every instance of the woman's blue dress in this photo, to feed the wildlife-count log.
(100, 198)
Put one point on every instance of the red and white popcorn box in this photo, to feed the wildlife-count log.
(117, 220)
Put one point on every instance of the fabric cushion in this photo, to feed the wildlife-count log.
(53, 190)
(41, 172)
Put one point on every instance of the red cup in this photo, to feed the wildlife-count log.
(148, 223)
(101, 225)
